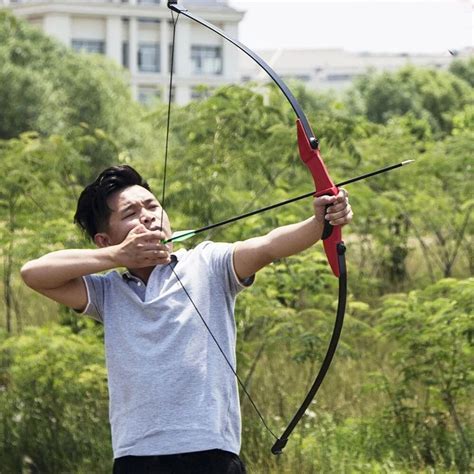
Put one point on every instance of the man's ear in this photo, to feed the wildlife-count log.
(102, 240)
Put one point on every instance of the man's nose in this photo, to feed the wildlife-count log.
(147, 217)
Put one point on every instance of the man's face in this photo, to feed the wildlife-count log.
(131, 207)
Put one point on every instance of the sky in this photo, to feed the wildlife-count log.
(411, 26)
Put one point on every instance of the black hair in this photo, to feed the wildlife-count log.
(92, 213)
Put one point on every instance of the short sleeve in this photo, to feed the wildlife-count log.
(95, 286)
(221, 261)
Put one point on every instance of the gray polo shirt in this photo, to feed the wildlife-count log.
(170, 388)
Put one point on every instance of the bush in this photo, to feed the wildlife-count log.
(53, 402)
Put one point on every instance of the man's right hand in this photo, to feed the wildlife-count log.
(142, 248)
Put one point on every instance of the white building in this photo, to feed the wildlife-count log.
(322, 69)
(138, 35)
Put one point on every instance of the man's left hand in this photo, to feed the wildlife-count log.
(338, 212)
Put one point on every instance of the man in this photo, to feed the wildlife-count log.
(174, 404)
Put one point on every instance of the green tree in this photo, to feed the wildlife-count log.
(464, 68)
(38, 193)
(425, 93)
(48, 88)
(444, 231)
(430, 332)
(53, 402)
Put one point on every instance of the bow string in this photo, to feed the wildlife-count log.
(334, 247)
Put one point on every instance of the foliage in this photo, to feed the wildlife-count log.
(48, 88)
(431, 332)
(445, 233)
(410, 413)
(425, 93)
(464, 68)
(54, 402)
(33, 221)
(397, 397)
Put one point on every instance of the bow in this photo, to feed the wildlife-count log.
(308, 146)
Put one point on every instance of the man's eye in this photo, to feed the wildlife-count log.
(130, 214)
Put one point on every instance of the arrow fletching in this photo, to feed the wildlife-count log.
(181, 235)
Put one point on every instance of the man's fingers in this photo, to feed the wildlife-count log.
(159, 253)
(340, 218)
(153, 257)
(152, 236)
(323, 201)
(158, 257)
(139, 229)
(157, 248)
(340, 202)
(342, 197)
(334, 209)
(331, 215)
(327, 200)
(338, 207)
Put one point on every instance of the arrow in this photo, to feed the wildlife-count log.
(182, 235)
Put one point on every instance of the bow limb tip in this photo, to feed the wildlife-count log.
(279, 446)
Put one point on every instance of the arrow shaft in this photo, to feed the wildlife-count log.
(286, 201)
(373, 173)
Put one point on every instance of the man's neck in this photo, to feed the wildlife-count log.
(142, 273)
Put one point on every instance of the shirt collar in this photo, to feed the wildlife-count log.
(129, 277)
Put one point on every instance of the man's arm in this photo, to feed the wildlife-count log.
(253, 254)
(58, 275)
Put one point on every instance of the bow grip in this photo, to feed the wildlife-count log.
(332, 236)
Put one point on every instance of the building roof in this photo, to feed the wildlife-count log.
(297, 60)
(208, 8)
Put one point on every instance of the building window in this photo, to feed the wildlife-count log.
(148, 95)
(170, 57)
(339, 77)
(148, 21)
(88, 46)
(149, 57)
(206, 59)
(297, 77)
(125, 53)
